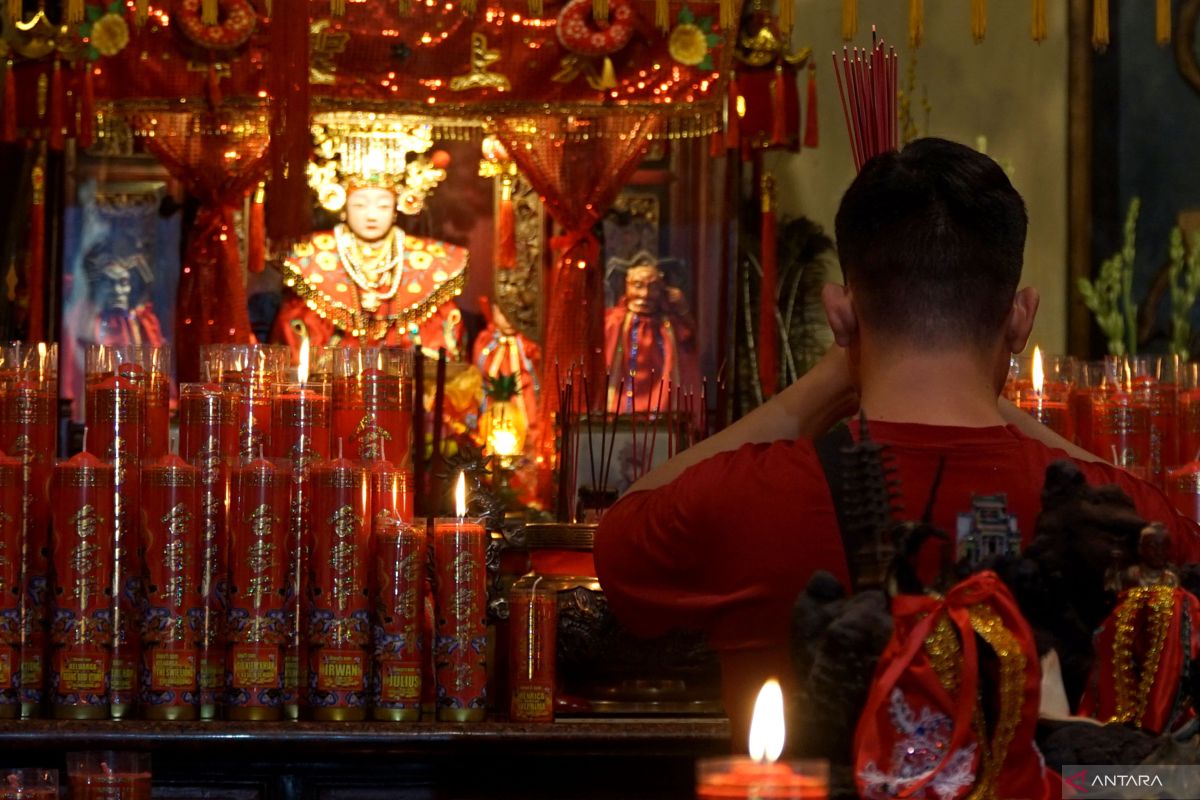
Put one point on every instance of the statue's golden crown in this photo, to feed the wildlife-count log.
(354, 150)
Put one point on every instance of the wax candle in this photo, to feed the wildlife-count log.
(372, 397)
(1045, 400)
(29, 784)
(761, 776)
(174, 604)
(339, 608)
(391, 490)
(256, 623)
(249, 373)
(1162, 401)
(208, 441)
(533, 628)
(400, 560)
(460, 637)
(1121, 421)
(108, 775)
(1183, 489)
(155, 378)
(115, 407)
(83, 556)
(28, 430)
(12, 516)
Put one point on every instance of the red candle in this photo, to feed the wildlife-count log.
(1121, 430)
(391, 490)
(1189, 424)
(28, 430)
(1183, 489)
(300, 435)
(108, 775)
(533, 626)
(740, 778)
(255, 626)
(114, 416)
(208, 441)
(400, 560)
(152, 373)
(29, 784)
(339, 609)
(1162, 399)
(372, 403)
(171, 548)
(460, 637)
(1081, 413)
(249, 373)
(11, 520)
(82, 631)
(1044, 400)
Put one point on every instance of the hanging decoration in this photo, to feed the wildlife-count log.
(1038, 26)
(35, 256)
(104, 30)
(692, 41)
(496, 163)
(978, 20)
(1100, 25)
(768, 100)
(916, 22)
(849, 19)
(1162, 21)
(228, 30)
(768, 329)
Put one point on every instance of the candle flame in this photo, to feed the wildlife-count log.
(302, 369)
(766, 726)
(1039, 374)
(460, 495)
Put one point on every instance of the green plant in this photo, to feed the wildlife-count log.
(1184, 273)
(1110, 295)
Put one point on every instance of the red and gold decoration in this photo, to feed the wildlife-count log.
(249, 375)
(460, 603)
(208, 441)
(173, 613)
(400, 568)
(372, 403)
(533, 625)
(339, 624)
(82, 629)
(12, 518)
(28, 411)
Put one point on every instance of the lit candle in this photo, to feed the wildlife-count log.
(208, 441)
(171, 547)
(372, 402)
(761, 776)
(299, 434)
(460, 639)
(339, 609)
(115, 408)
(255, 625)
(1047, 402)
(83, 565)
(28, 428)
(400, 560)
(11, 519)
(108, 775)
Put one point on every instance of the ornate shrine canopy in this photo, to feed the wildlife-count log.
(436, 58)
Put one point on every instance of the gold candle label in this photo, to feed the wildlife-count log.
(532, 702)
(255, 668)
(6, 666)
(81, 672)
(31, 670)
(172, 670)
(212, 676)
(291, 670)
(399, 682)
(122, 675)
(340, 671)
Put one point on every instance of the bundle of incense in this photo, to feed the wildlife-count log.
(867, 86)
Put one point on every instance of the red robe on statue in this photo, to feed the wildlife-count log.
(326, 305)
(643, 349)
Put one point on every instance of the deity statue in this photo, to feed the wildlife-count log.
(366, 280)
(118, 319)
(1153, 567)
(649, 337)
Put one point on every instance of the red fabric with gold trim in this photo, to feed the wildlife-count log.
(920, 732)
(431, 269)
(1141, 649)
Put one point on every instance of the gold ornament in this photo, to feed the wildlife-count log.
(688, 44)
(110, 34)
(479, 76)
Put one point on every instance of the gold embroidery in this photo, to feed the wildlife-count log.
(327, 261)
(324, 241)
(303, 250)
(1159, 601)
(420, 261)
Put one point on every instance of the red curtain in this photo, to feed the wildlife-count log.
(217, 159)
(577, 165)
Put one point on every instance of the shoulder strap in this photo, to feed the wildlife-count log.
(831, 454)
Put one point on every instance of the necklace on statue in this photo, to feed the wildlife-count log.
(376, 284)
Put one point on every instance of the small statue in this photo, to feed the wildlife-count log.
(1153, 567)
(649, 337)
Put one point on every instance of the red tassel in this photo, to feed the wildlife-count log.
(733, 120)
(35, 258)
(256, 233)
(55, 135)
(811, 137)
(87, 109)
(506, 229)
(213, 87)
(8, 132)
(716, 144)
(778, 108)
(289, 215)
(768, 331)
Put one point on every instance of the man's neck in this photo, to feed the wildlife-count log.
(944, 388)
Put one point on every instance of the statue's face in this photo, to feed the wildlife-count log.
(644, 289)
(370, 212)
(114, 288)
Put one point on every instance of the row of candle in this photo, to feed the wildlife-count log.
(94, 775)
(1140, 413)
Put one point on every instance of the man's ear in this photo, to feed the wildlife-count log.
(839, 310)
(1020, 319)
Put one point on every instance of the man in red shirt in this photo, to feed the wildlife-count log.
(724, 537)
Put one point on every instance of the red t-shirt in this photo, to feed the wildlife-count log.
(728, 546)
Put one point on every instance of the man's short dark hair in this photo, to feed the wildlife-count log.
(931, 240)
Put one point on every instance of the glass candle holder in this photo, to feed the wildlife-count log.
(533, 631)
(1156, 386)
(28, 430)
(12, 518)
(29, 783)
(109, 775)
(1121, 419)
(156, 394)
(398, 589)
(372, 403)
(1049, 404)
(249, 373)
(740, 778)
